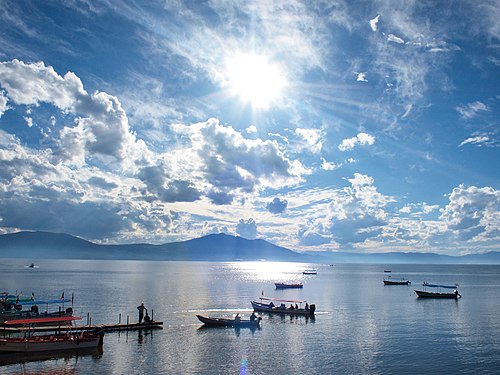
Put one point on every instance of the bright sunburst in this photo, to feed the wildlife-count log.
(254, 79)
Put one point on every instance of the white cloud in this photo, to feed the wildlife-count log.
(361, 77)
(247, 229)
(101, 130)
(395, 39)
(251, 129)
(361, 139)
(312, 139)
(473, 213)
(328, 166)
(471, 110)
(3, 103)
(277, 205)
(478, 141)
(374, 22)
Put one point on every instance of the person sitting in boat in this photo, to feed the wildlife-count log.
(291, 307)
(147, 318)
(307, 306)
(296, 307)
(34, 309)
(237, 317)
(253, 317)
(282, 306)
(271, 304)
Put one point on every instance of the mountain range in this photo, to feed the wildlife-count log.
(213, 247)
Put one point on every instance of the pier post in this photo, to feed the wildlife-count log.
(120, 318)
(88, 317)
(152, 314)
(127, 319)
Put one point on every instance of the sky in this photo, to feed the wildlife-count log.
(358, 126)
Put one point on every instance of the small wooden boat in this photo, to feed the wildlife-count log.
(310, 272)
(226, 322)
(439, 294)
(282, 308)
(288, 286)
(31, 343)
(396, 282)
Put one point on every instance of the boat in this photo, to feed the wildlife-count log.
(29, 342)
(310, 272)
(227, 322)
(288, 286)
(396, 282)
(282, 309)
(31, 309)
(439, 294)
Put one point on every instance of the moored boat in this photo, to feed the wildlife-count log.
(288, 286)
(396, 282)
(227, 322)
(31, 343)
(310, 272)
(439, 294)
(282, 309)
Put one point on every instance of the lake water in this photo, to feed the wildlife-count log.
(361, 326)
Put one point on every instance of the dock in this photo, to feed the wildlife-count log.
(102, 327)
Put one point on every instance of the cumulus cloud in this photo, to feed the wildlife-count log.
(357, 212)
(312, 139)
(101, 130)
(277, 205)
(228, 161)
(328, 166)
(361, 139)
(361, 77)
(374, 22)
(247, 229)
(313, 234)
(471, 110)
(3, 102)
(473, 213)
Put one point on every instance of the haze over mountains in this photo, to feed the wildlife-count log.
(214, 247)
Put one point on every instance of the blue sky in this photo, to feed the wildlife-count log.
(361, 126)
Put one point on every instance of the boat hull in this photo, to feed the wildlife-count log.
(288, 286)
(222, 322)
(37, 344)
(392, 282)
(263, 307)
(425, 294)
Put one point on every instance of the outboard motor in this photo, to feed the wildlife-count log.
(312, 308)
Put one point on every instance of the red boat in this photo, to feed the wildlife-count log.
(29, 342)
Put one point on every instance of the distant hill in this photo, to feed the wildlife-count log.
(214, 247)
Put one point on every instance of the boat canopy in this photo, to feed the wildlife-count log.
(440, 286)
(43, 320)
(281, 300)
(44, 302)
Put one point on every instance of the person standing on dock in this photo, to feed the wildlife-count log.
(141, 309)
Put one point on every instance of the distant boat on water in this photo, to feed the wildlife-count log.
(310, 272)
(288, 286)
(439, 294)
(391, 281)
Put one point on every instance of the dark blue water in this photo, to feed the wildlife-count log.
(361, 326)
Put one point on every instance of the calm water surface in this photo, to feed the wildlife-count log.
(361, 326)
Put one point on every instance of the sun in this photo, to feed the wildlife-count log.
(254, 79)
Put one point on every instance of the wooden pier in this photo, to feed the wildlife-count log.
(102, 327)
